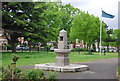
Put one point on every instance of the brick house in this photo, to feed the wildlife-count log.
(3, 40)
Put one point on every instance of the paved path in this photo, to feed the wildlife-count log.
(99, 69)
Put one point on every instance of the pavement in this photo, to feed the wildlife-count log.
(99, 70)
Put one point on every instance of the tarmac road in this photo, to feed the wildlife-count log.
(99, 69)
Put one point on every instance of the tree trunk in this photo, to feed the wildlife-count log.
(94, 47)
(84, 47)
(118, 49)
(108, 47)
(12, 40)
(98, 46)
(89, 49)
(74, 44)
(13, 47)
(45, 46)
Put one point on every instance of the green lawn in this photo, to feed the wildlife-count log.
(31, 58)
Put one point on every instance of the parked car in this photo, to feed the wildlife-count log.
(112, 50)
(22, 47)
(52, 48)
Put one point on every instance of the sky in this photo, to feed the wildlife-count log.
(94, 7)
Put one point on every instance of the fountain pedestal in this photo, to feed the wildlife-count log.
(62, 52)
(62, 59)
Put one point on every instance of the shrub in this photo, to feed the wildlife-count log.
(33, 75)
(15, 58)
(13, 73)
(79, 49)
(9, 47)
(8, 72)
(17, 73)
(29, 75)
(73, 50)
(52, 76)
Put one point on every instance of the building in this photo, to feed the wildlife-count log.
(3, 40)
(80, 44)
(21, 40)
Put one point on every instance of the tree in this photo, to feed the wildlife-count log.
(114, 38)
(111, 39)
(14, 16)
(86, 27)
(58, 17)
(37, 22)
(22, 19)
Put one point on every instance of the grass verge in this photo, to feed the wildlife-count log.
(31, 58)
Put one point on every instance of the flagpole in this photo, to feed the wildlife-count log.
(106, 15)
(101, 32)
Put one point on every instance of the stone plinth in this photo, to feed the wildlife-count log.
(68, 68)
(62, 58)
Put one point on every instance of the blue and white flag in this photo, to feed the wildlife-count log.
(106, 15)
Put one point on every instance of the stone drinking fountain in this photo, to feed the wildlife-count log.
(62, 59)
(62, 52)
